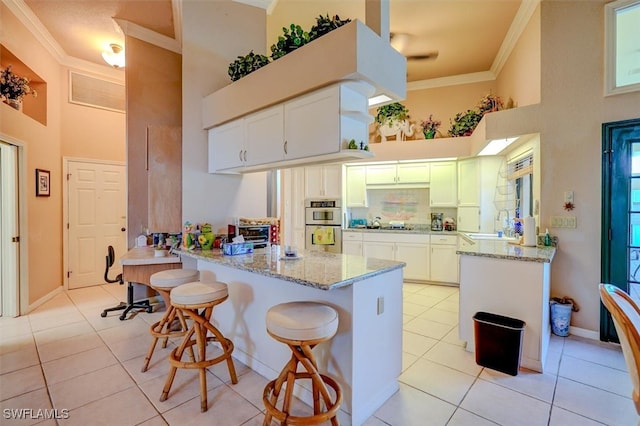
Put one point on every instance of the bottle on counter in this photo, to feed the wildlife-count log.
(547, 238)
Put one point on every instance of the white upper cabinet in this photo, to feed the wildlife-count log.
(356, 191)
(443, 188)
(316, 125)
(398, 173)
(468, 183)
(378, 174)
(469, 219)
(312, 124)
(264, 132)
(323, 181)
(226, 146)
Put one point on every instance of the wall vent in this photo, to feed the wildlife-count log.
(95, 92)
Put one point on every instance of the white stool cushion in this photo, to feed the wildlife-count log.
(197, 293)
(171, 278)
(302, 321)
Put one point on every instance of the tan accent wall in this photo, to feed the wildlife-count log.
(573, 111)
(154, 97)
(70, 130)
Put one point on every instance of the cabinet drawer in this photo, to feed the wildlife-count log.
(351, 236)
(444, 239)
(396, 237)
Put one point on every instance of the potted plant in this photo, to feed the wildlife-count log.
(246, 65)
(393, 120)
(292, 38)
(430, 127)
(324, 25)
(13, 88)
(490, 103)
(464, 123)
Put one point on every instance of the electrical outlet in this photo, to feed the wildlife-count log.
(380, 305)
(570, 222)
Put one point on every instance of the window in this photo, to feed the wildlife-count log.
(622, 46)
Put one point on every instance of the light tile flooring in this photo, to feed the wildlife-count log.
(65, 356)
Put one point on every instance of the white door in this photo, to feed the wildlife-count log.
(97, 219)
(9, 238)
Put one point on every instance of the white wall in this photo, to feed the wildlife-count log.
(214, 34)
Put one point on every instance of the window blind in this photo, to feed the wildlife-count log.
(520, 166)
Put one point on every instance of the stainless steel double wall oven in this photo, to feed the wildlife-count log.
(323, 225)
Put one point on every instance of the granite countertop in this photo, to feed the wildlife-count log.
(147, 256)
(506, 250)
(321, 270)
(410, 229)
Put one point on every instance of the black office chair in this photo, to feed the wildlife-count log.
(130, 303)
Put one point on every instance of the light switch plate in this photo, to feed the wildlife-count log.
(568, 196)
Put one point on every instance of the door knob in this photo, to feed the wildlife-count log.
(123, 229)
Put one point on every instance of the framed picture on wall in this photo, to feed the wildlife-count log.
(43, 183)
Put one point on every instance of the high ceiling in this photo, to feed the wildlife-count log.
(460, 36)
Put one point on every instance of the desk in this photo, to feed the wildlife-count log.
(140, 263)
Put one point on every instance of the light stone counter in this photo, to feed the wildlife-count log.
(321, 270)
(365, 355)
(506, 250)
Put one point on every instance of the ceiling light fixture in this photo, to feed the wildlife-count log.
(496, 145)
(376, 100)
(115, 58)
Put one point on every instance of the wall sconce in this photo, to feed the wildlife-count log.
(115, 58)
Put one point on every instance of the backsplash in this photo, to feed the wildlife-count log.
(408, 205)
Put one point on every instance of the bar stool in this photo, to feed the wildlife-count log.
(163, 282)
(188, 299)
(301, 326)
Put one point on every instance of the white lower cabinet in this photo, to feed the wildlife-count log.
(444, 260)
(413, 249)
(352, 243)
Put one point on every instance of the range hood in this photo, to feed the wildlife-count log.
(351, 52)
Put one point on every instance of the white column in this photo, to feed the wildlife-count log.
(377, 17)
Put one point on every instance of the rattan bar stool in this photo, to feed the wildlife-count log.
(188, 299)
(301, 326)
(163, 282)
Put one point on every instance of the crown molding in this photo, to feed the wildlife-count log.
(519, 23)
(454, 80)
(26, 16)
(141, 33)
(267, 5)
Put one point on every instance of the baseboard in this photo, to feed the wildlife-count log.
(583, 332)
(44, 299)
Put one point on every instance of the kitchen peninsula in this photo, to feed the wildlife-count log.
(508, 279)
(365, 356)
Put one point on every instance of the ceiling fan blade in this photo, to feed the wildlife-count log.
(430, 55)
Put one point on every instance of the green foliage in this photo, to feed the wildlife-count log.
(324, 25)
(464, 123)
(246, 65)
(292, 38)
(392, 112)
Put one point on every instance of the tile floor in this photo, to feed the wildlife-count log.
(65, 356)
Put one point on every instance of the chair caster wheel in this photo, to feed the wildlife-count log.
(103, 314)
(150, 309)
(123, 317)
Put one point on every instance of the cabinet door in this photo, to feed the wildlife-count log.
(379, 250)
(444, 263)
(312, 124)
(356, 186)
(264, 136)
(226, 146)
(443, 187)
(332, 180)
(468, 182)
(413, 173)
(381, 174)
(469, 219)
(313, 182)
(352, 247)
(416, 256)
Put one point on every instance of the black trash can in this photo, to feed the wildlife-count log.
(498, 342)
